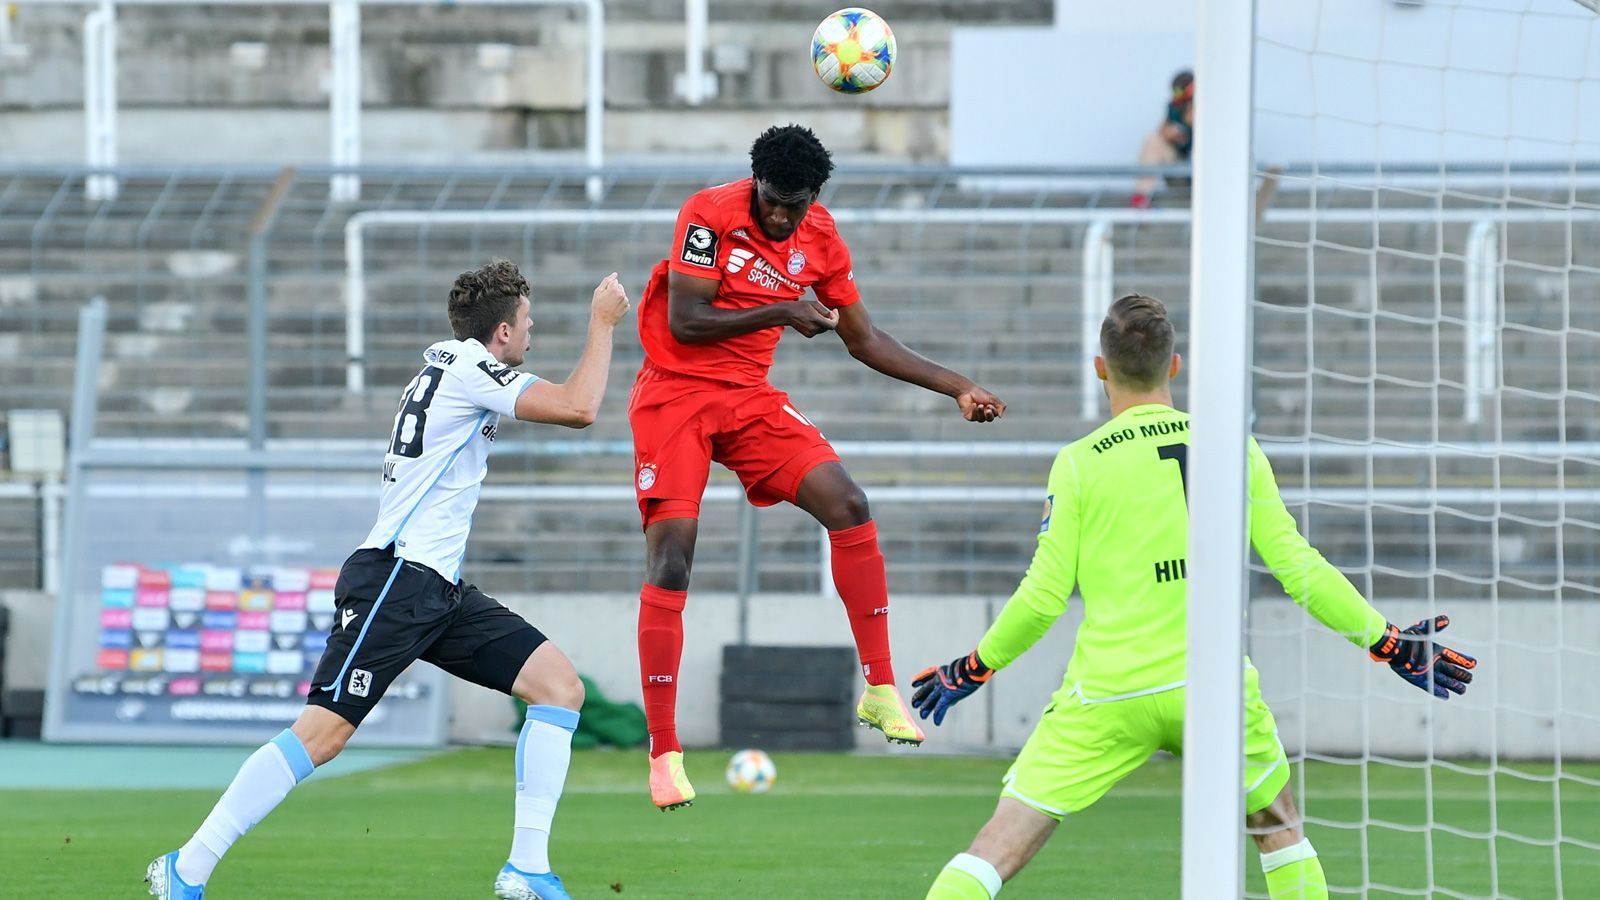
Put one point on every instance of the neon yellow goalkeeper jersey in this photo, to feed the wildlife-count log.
(1116, 526)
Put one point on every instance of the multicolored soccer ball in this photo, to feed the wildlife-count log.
(751, 772)
(853, 50)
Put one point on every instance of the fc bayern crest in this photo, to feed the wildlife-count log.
(647, 476)
(797, 261)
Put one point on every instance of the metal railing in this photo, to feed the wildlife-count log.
(358, 225)
(1482, 310)
(49, 496)
(344, 82)
(341, 456)
(1099, 268)
(929, 223)
(1482, 253)
(100, 99)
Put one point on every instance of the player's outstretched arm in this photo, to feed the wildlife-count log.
(1036, 604)
(883, 351)
(1323, 591)
(576, 402)
(1414, 656)
(694, 320)
(937, 688)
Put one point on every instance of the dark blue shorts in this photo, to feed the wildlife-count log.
(392, 612)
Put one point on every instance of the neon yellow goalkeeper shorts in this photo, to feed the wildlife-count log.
(1079, 750)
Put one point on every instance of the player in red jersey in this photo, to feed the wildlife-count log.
(742, 259)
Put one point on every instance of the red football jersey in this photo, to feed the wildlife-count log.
(718, 238)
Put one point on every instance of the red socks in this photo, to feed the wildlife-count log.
(660, 648)
(858, 574)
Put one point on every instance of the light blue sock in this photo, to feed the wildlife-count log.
(262, 783)
(544, 750)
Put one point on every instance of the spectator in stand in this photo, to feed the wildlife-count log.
(1170, 144)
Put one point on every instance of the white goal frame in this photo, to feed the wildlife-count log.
(1220, 275)
(1220, 343)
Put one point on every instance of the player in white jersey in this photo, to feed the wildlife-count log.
(400, 596)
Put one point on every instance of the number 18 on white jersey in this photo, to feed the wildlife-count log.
(438, 453)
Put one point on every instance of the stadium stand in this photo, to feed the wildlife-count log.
(999, 301)
(453, 82)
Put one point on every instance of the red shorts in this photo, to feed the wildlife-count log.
(681, 424)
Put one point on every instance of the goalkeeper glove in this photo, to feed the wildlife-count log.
(937, 688)
(1413, 655)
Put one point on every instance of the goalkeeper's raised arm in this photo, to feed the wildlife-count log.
(1325, 593)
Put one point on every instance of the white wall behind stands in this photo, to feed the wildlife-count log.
(1489, 80)
(1529, 697)
(597, 632)
(1084, 92)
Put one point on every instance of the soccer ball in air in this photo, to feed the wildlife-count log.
(853, 50)
(751, 772)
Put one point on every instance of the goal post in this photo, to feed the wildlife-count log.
(1426, 333)
(1219, 350)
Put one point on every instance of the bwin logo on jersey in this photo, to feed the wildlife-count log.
(502, 374)
(699, 246)
(737, 260)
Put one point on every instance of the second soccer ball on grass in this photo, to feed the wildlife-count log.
(751, 772)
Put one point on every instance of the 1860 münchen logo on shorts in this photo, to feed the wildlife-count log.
(647, 476)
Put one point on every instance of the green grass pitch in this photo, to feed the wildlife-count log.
(834, 827)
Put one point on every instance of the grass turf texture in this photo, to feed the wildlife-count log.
(834, 827)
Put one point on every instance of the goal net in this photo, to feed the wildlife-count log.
(1426, 380)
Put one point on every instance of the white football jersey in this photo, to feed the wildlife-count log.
(439, 452)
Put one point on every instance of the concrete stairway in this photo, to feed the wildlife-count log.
(1356, 339)
(453, 82)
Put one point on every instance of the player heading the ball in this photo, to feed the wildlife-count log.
(742, 259)
(1123, 695)
(400, 595)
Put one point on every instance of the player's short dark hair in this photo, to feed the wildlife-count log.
(484, 297)
(790, 159)
(1136, 339)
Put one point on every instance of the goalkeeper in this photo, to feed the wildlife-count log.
(1116, 526)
